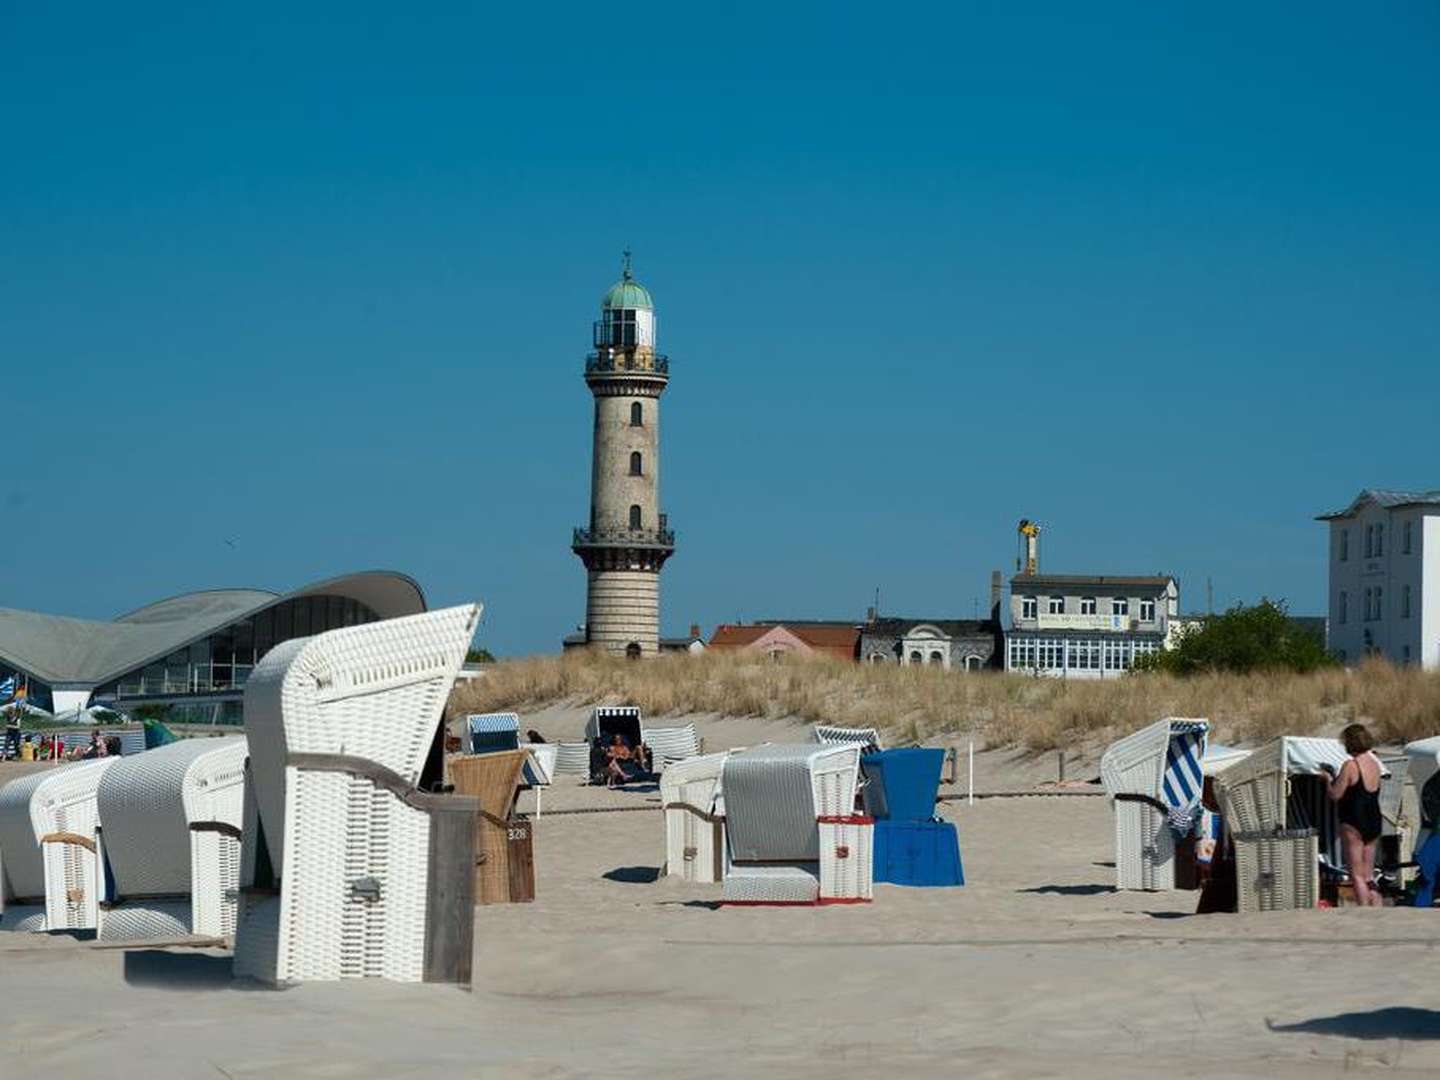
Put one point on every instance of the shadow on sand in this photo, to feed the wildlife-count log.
(1069, 890)
(633, 875)
(1395, 1022)
(185, 971)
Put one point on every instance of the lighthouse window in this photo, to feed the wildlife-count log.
(637, 414)
(622, 328)
(635, 517)
(635, 469)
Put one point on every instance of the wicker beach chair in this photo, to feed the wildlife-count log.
(51, 874)
(1279, 792)
(493, 731)
(792, 832)
(862, 737)
(494, 779)
(350, 869)
(572, 759)
(694, 823)
(170, 830)
(1151, 775)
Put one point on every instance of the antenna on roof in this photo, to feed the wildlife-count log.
(625, 263)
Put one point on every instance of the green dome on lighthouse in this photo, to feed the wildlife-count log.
(627, 293)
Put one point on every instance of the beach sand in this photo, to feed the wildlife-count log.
(1036, 968)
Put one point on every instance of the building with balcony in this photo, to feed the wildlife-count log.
(192, 653)
(1088, 626)
(1384, 591)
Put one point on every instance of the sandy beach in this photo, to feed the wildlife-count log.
(1036, 968)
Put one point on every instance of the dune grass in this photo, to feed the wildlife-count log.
(1003, 710)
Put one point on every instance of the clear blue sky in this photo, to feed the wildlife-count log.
(1163, 278)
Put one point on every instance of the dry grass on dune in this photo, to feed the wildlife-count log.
(1004, 710)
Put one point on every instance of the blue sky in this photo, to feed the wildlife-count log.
(1163, 278)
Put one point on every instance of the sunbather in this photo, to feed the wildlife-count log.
(1356, 790)
(621, 764)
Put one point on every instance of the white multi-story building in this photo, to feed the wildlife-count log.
(1385, 577)
(1088, 627)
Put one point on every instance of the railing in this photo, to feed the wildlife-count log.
(201, 679)
(646, 363)
(612, 537)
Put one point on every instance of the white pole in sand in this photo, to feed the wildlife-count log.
(970, 787)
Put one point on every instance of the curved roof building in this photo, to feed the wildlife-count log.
(193, 651)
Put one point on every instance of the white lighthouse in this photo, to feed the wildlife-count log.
(628, 539)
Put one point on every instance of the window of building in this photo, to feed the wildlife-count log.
(1344, 545)
(619, 328)
(1119, 607)
(1344, 607)
(1406, 653)
(635, 522)
(1405, 602)
(1087, 605)
(1027, 607)
(916, 658)
(632, 651)
(1147, 610)
(1365, 609)
(1379, 603)
(1379, 540)
(1406, 537)
(637, 414)
(1369, 541)
(936, 658)
(636, 464)
(1057, 605)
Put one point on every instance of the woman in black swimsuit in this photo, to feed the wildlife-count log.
(1356, 790)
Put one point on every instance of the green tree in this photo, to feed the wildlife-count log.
(1261, 637)
(479, 656)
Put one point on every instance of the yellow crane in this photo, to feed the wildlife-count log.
(1028, 560)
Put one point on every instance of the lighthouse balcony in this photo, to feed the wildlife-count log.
(602, 536)
(619, 361)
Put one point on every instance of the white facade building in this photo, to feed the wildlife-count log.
(1385, 578)
(1088, 627)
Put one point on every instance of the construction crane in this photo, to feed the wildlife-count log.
(1027, 561)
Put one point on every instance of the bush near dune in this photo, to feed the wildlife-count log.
(998, 709)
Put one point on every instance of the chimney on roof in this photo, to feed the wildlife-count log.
(694, 631)
(870, 614)
(995, 586)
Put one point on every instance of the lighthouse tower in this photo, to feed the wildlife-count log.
(628, 539)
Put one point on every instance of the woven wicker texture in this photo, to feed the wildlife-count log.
(690, 840)
(351, 857)
(774, 793)
(1277, 872)
(1136, 765)
(797, 884)
(145, 805)
(494, 779)
(23, 919)
(145, 920)
(847, 863)
(22, 865)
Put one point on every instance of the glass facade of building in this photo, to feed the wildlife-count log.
(217, 667)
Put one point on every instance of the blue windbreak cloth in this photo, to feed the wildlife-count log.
(1183, 780)
(901, 785)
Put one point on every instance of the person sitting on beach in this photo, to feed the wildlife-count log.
(619, 762)
(96, 748)
(27, 749)
(1356, 792)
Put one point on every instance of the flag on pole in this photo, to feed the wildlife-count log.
(7, 688)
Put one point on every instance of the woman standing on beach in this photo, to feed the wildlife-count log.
(1356, 790)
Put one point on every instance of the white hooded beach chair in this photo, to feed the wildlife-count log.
(792, 833)
(350, 869)
(51, 875)
(170, 823)
(862, 737)
(1284, 825)
(694, 819)
(1424, 767)
(1155, 779)
(572, 759)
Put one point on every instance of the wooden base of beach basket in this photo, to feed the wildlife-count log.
(1277, 871)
